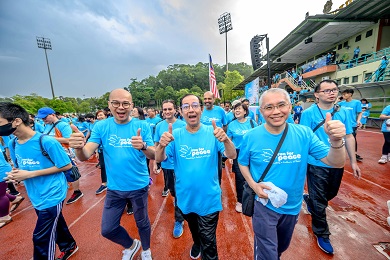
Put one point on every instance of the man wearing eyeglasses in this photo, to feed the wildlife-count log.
(168, 107)
(274, 223)
(324, 181)
(61, 131)
(194, 151)
(126, 143)
(354, 108)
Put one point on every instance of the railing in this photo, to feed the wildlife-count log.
(364, 59)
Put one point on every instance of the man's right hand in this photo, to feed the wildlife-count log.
(166, 137)
(77, 140)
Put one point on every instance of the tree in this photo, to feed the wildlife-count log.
(233, 78)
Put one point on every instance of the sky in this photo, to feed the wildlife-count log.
(98, 46)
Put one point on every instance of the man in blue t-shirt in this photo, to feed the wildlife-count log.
(168, 107)
(126, 143)
(194, 150)
(153, 120)
(273, 224)
(297, 111)
(43, 178)
(216, 113)
(324, 181)
(354, 108)
(61, 131)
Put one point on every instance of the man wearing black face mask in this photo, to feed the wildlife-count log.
(44, 180)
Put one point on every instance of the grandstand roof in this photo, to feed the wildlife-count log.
(326, 31)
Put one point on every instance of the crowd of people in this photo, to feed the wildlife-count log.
(189, 144)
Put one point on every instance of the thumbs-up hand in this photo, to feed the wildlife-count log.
(334, 128)
(136, 141)
(218, 132)
(166, 137)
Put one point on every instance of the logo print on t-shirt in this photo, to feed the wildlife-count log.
(287, 157)
(193, 153)
(116, 141)
(26, 161)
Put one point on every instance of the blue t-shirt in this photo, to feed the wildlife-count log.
(236, 131)
(354, 107)
(288, 171)
(297, 110)
(312, 116)
(160, 129)
(217, 114)
(251, 115)
(125, 166)
(48, 190)
(195, 156)
(229, 117)
(365, 115)
(63, 127)
(4, 167)
(38, 127)
(386, 111)
(260, 118)
(5, 141)
(83, 127)
(152, 123)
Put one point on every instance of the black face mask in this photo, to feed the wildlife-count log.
(7, 129)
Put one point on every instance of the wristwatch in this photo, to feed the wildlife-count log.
(145, 146)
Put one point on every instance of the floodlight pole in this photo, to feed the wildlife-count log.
(268, 63)
(225, 25)
(44, 43)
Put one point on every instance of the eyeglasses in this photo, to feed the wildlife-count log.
(328, 91)
(167, 109)
(279, 106)
(117, 104)
(194, 105)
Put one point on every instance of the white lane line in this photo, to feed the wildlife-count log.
(373, 183)
(160, 211)
(85, 212)
(243, 218)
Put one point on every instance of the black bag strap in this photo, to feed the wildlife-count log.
(336, 108)
(275, 154)
(54, 125)
(43, 151)
(13, 147)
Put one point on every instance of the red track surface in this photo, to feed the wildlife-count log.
(357, 219)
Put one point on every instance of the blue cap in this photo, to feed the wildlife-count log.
(44, 112)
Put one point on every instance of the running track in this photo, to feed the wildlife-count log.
(357, 219)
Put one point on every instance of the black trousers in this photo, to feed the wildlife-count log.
(239, 178)
(204, 233)
(354, 129)
(386, 145)
(169, 178)
(323, 185)
(102, 167)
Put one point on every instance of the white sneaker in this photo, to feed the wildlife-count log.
(146, 255)
(388, 205)
(383, 159)
(238, 207)
(388, 220)
(128, 254)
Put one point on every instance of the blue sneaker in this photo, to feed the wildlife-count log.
(325, 245)
(306, 199)
(178, 229)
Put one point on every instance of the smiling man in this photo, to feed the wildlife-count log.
(194, 151)
(324, 181)
(273, 226)
(126, 144)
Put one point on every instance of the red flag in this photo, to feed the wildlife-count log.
(212, 79)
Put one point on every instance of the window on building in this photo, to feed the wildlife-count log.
(345, 44)
(358, 38)
(368, 75)
(338, 81)
(355, 79)
(368, 33)
(340, 46)
(346, 81)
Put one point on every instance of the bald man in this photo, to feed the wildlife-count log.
(126, 144)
